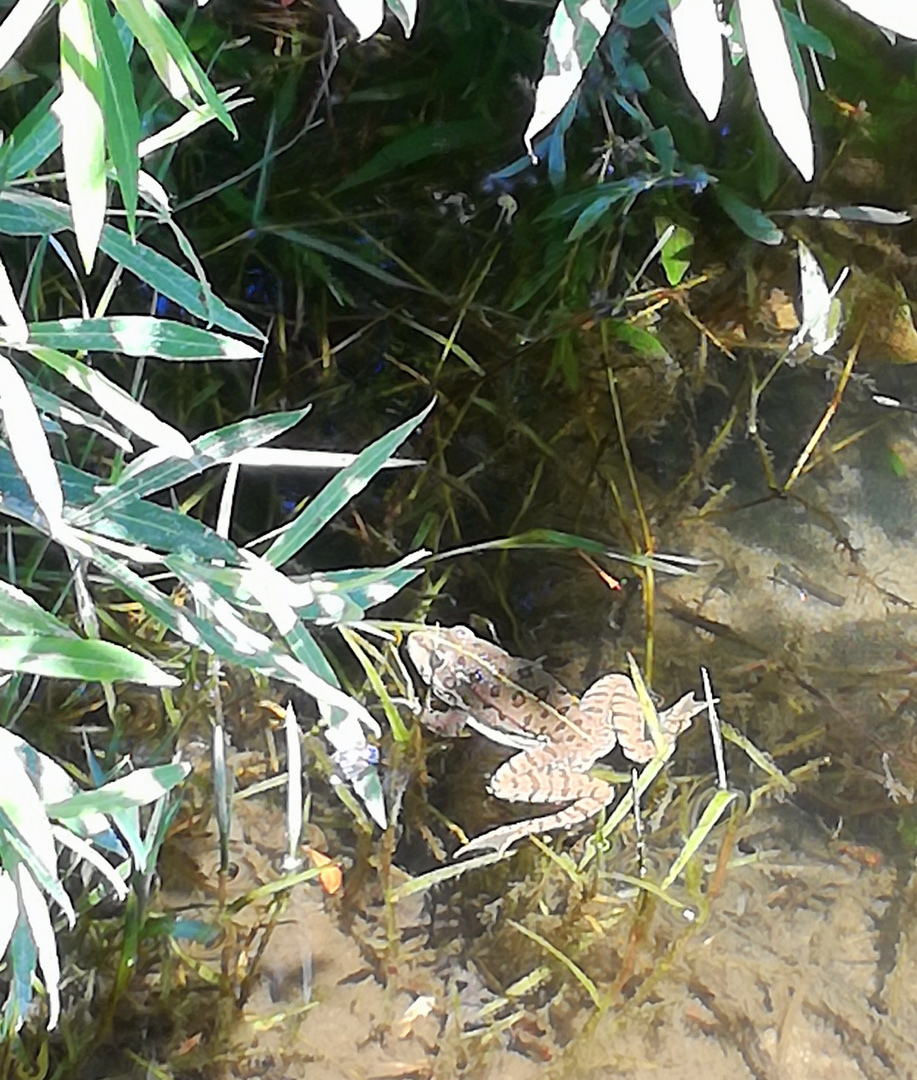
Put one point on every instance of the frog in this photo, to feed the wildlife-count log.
(558, 738)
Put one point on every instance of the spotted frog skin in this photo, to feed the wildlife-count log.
(515, 703)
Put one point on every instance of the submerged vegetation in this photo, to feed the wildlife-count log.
(574, 366)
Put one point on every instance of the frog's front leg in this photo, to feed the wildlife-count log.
(448, 723)
(540, 776)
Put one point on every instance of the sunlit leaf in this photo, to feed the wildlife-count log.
(138, 788)
(821, 312)
(49, 404)
(33, 903)
(366, 15)
(23, 213)
(10, 313)
(21, 810)
(339, 491)
(699, 37)
(145, 30)
(17, 25)
(79, 109)
(169, 54)
(576, 29)
(152, 471)
(19, 613)
(140, 335)
(775, 81)
(79, 658)
(405, 11)
(899, 16)
(29, 446)
(110, 397)
(122, 121)
(134, 521)
(188, 123)
(676, 251)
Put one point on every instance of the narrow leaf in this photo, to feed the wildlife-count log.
(16, 329)
(19, 613)
(40, 927)
(576, 29)
(145, 31)
(122, 121)
(752, 222)
(339, 491)
(29, 446)
(17, 25)
(79, 658)
(138, 788)
(366, 15)
(699, 37)
(151, 472)
(899, 16)
(160, 40)
(112, 399)
(140, 335)
(775, 81)
(33, 140)
(24, 213)
(79, 110)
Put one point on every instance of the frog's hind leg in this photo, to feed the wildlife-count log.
(534, 777)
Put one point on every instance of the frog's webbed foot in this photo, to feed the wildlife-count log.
(503, 837)
(630, 726)
(556, 784)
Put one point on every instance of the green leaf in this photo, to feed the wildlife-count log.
(676, 251)
(171, 57)
(144, 524)
(640, 340)
(110, 397)
(425, 141)
(41, 928)
(23, 213)
(335, 251)
(591, 216)
(86, 660)
(29, 446)
(140, 335)
(149, 472)
(807, 36)
(636, 13)
(32, 141)
(752, 222)
(576, 29)
(122, 121)
(711, 815)
(19, 614)
(138, 788)
(339, 491)
(79, 109)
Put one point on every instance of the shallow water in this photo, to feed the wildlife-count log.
(788, 949)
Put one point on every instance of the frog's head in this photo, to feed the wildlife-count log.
(433, 651)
